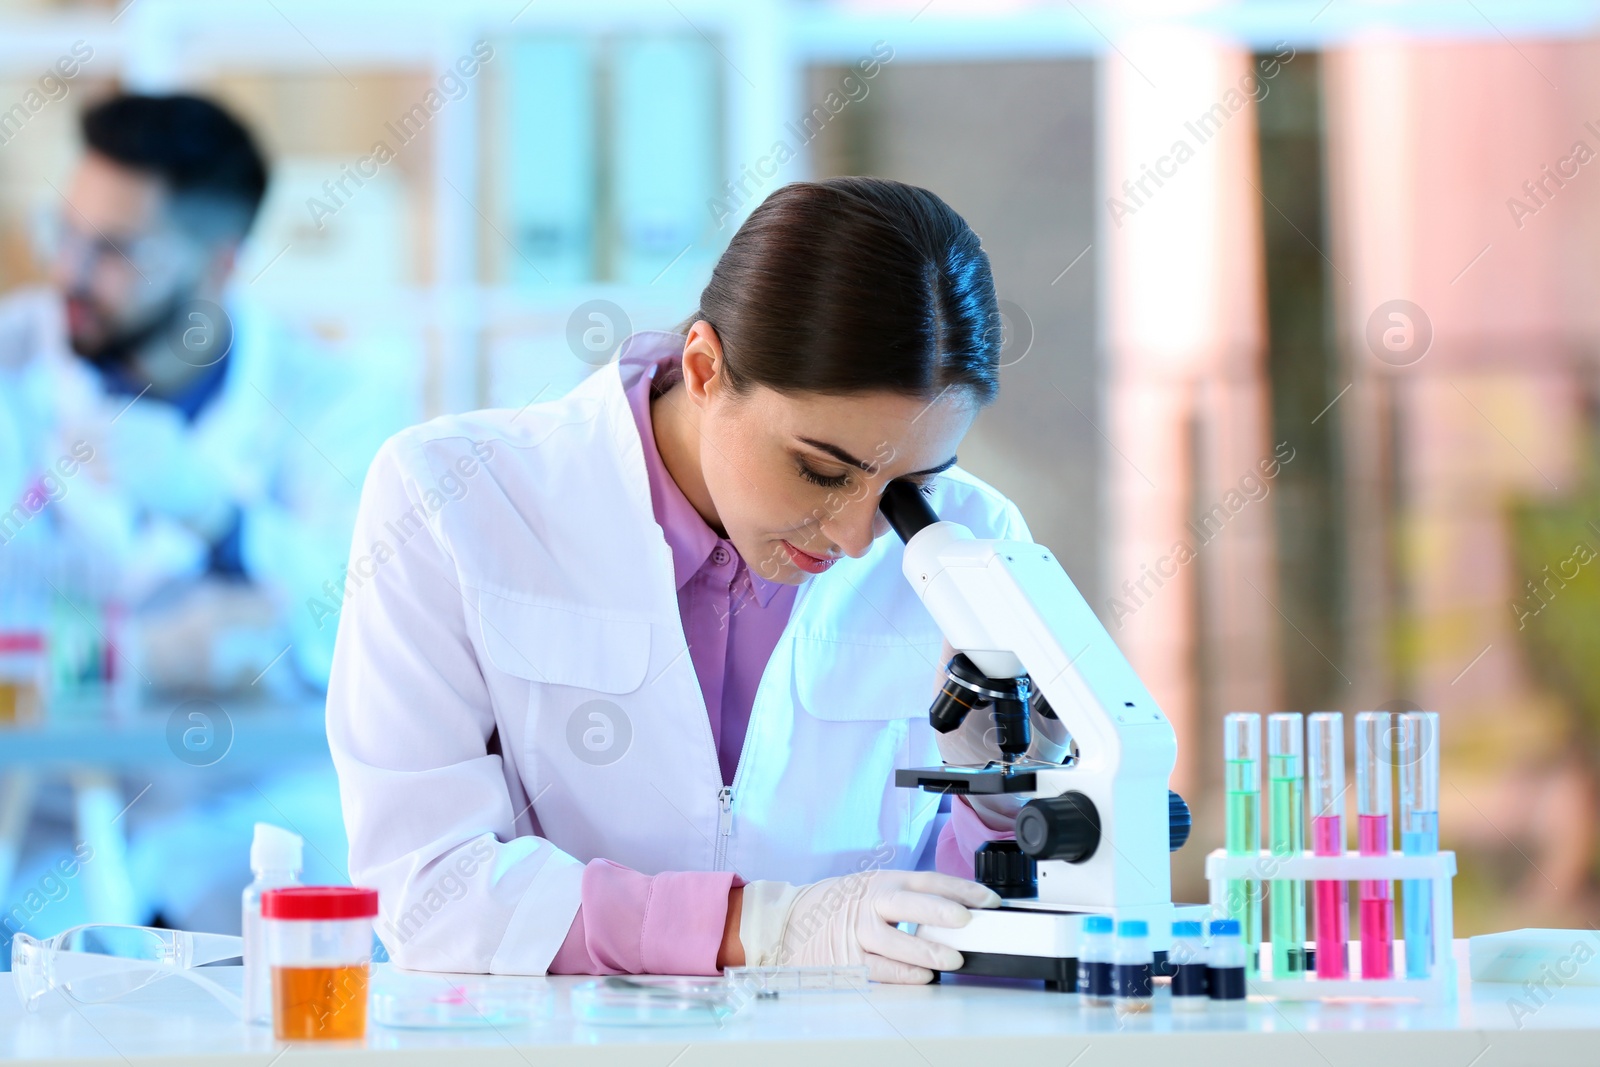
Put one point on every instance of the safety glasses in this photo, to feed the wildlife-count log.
(100, 962)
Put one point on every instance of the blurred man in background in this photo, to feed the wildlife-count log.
(217, 453)
(171, 456)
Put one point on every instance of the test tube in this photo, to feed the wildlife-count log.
(1241, 743)
(1419, 830)
(1325, 750)
(1286, 787)
(1374, 806)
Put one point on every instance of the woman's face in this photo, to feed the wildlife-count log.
(795, 480)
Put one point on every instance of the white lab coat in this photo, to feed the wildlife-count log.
(289, 436)
(469, 665)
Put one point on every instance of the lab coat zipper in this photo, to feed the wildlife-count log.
(725, 794)
(724, 824)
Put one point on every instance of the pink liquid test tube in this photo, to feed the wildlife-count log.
(1374, 803)
(1330, 900)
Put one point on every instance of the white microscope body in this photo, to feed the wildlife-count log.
(1011, 609)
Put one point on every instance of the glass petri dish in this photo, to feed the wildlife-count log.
(634, 1001)
(771, 981)
(451, 1002)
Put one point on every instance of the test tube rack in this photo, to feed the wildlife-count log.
(1437, 869)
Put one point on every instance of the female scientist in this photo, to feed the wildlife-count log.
(622, 679)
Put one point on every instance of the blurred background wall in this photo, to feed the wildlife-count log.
(1204, 219)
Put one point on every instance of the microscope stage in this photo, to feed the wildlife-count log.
(990, 780)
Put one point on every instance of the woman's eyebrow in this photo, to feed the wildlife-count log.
(846, 458)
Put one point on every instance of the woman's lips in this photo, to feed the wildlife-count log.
(806, 561)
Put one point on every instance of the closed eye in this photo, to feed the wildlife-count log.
(839, 481)
(827, 481)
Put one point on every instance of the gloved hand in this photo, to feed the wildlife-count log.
(850, 920)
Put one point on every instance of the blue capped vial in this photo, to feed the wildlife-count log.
(1187, 959)
(1094, 961)
(1132, 965)
(1225, 961)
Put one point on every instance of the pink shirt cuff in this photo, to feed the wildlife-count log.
(632, 923)
(960, 838)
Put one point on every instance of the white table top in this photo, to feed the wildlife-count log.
(966, 1022)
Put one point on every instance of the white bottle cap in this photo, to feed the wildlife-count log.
(275, 849)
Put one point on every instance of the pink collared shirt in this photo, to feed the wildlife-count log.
(672, 923)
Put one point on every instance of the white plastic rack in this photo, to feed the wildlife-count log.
(1438, 869)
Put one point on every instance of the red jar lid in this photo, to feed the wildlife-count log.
(319, 902)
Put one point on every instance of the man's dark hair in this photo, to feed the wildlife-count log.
(207, 159)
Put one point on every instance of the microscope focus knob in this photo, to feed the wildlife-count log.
(1005, 868)
(1178, 821)
(1065, 827)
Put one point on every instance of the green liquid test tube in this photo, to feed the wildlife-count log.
(1286, 795)
(1241, 742)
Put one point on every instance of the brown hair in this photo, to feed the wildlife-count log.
(851, 285)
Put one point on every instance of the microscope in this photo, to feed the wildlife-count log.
(1095, 831)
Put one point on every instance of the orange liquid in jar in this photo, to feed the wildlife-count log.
(319, 1003)
(19, 702)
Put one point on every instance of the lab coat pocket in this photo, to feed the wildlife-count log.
(866, 678)
(563, 645)
(865, 713)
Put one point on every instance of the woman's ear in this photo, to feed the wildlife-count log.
(702, 362)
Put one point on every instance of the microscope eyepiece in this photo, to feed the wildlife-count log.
(907, 510)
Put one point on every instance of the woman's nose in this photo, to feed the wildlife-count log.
(855, 527)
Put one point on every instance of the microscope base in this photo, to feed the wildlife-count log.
(1059, 975)
(1028, 939)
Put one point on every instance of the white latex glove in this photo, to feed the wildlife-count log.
(850, 920)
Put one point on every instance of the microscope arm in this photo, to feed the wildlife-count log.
(1011, 608)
